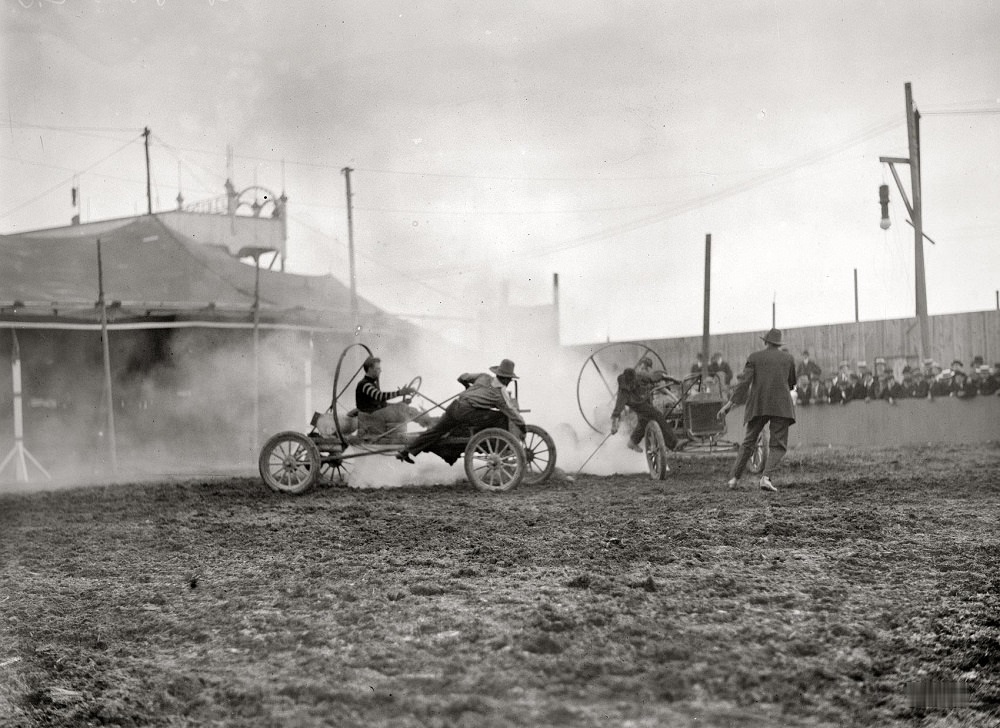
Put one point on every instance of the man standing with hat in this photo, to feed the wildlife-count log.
(484, 403)
(765, 386)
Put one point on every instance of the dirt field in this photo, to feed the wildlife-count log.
(609, 601)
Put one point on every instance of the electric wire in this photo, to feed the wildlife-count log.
(70, 179)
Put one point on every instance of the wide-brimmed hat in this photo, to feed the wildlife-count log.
(506, 369)
(772, 337)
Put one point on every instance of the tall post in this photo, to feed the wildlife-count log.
(149, 188)
(705, 315)
(913, 134)
(106, 350)
(256, 351)
(350, 249)
(856, 312)
(19, 454)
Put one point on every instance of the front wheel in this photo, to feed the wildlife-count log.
(494, 460)
(758, 458)
(539, 455)
(289, 462)
(656, 451)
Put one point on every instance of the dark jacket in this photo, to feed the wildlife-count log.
(766, 385)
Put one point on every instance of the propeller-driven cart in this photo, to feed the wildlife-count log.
(495, 459)
(690, 406)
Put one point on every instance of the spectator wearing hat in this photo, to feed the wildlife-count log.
(765, 386)
(807, 366)
(862, 381)
(907, 388)
(962, 386)
(841, 390)
(803, 395)
(989, 384)
(719, 367)
(484, 403)
(817, 390)
(922, 382)
(699, 362)
(376, 415)
(941, 386)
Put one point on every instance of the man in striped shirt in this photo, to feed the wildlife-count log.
(377, 417)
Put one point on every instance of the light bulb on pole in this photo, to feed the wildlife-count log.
(883, 200)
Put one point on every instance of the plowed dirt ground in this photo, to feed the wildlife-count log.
(608, 601)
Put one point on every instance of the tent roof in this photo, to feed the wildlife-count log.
(150, 272)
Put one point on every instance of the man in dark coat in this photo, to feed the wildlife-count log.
(765, 385)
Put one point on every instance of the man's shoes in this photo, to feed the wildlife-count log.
(765, 484)
(634, 446)
(732, 483)
(405, 457)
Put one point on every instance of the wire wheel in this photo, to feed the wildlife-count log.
(289, 462)
(758, 458)
(656, 452)
(597, 383)
(494, 460)
(336, 472)
(539, 455)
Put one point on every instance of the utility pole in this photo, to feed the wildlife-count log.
(149, 189)
(916, 214)
(350, 249)
(705, 317)
(106, 351)
(856, 316)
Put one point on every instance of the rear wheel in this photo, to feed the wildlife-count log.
(656, 451)
(289, 462)
(336, 472)
(539, 455)
(494, 460)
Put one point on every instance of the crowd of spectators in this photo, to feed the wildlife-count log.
(882, 383)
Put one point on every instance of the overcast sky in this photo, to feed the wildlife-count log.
(495, 142)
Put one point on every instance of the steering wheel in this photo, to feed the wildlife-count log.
(414, 384)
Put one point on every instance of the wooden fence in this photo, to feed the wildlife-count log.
(953, 336)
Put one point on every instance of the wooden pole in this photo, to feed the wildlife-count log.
(106, 349)
(149, 189)
(256, 353)
(350, 249)
(856, 312)
(913, 134)
(705, 316)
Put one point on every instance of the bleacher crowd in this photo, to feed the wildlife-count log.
(882, 383)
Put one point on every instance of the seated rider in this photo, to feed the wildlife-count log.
(634, 392)
(378, 417)
(484, 403)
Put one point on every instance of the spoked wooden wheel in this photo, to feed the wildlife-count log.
(539, 455)
(494, 460)
(597, 383)
(758, 458)
(289, 462)
(656, 452)
(349, 371)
